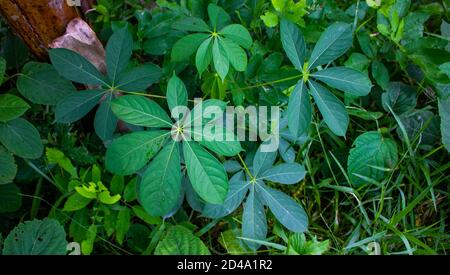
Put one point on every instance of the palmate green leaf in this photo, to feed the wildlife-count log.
(331, 108)
(333, 43)
(285, 209)
(21, 138)
(263, 161)
(204, 55)
(218, 143)
(238, 34)
(191, 24)
(12, 107)
(41, 84)
(299, 110)
(347, 80)
(254, 223)
(105, 121)
(176, 93)
(400, 97)
(207, 174)
(138, 79)
(444, 113)
(140, 111)
(10, 198)
(75, 106)
(237, 190)
(218, 17)
(8, 166)
(75, 67)
(370, 152)
(160, 188)
(221, 63)
(118, 53)
(285, 173)
(187, 46)
(37, 237)
(235, 54)
(293, 43)
(131, 152)
(180, 241)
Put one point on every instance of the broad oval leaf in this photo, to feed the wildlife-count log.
(204, 55)
(331, 108)
(400, 97)
(333, 43)
(176, 93)
(140, 111)
(293, 43)
(180, 241)
(444, 113)
(118, 53)
(187, 46)
(235, 54)
(131, 152)
(138, 79)
(77, 105)
(75, 67)
(254, 223)
(221, 63)
(347, 80)
(285, 209)
(41, 84)
(12, 107)
(237, 190)
(10, 198)
(238, 34)
(160, 187)
(37, 237)
(370, 156)
(8, 165)
(21, 138)
(207, 174)
(299, 110)
(285, 173)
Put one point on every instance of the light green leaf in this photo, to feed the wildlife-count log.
(138, 79)
(204, 55)
(131, 152)
(444, 113)
(207, 174)
(331, 108)
(370, 152)
(187, 46)
(37, 237)
(21, 138)
(235, 54)
(8, 167)
(285, 209)
(75, 106)
(347, 80)
(160, 188)
(105, 121)
(238, 34)
(76, 202)
(55, 156)
(293, 43)
(12, 107)
(333, 43)
(176, 93)
(270, 19)
(41, 84)
(118, 53)
(75, 67)
(106, 198)
(299, 110)
(10, 198)
(221, 63)
(140, 111)
(180, 241)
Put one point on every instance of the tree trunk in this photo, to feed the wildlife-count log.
(38, 22)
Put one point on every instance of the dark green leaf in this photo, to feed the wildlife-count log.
(77, 105)
(347, 80)
(293, 43)
(12, 107)
(187, 46)
(21, 138)
(118, 53)
(299, 110)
